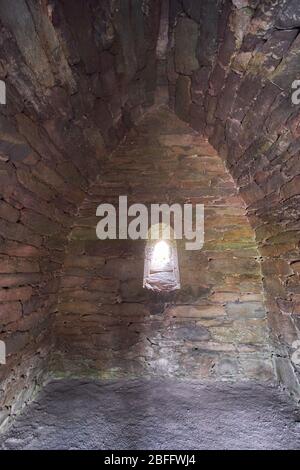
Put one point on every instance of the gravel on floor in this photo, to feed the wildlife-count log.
(156, 414)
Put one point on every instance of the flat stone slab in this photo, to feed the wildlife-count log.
(156, 414)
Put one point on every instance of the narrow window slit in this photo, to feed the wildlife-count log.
(161, 272)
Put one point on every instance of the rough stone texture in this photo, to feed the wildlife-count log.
(242, 102)
(108, 326)
(156, 414)
(77, 78)
(183, 97)
(186, 35)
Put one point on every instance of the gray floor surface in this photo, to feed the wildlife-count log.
(156, 414)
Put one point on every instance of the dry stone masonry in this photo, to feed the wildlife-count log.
(215, 325)
(235, 87)
(72, 135)
(77, 79)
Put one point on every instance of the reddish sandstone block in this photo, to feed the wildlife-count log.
(8, 212)
(17, 293)
(10, 312)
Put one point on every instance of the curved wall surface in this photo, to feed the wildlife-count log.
(214, 326)
(235, 86)
(76, 79)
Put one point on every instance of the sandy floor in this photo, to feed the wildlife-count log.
(156, 414)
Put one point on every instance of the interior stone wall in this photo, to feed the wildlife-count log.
(77, 78)
(234, 85)
(215, 325)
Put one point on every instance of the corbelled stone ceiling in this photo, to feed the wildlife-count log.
(166, 101)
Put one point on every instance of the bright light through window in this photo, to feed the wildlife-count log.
(161, 254)
(161, 273)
